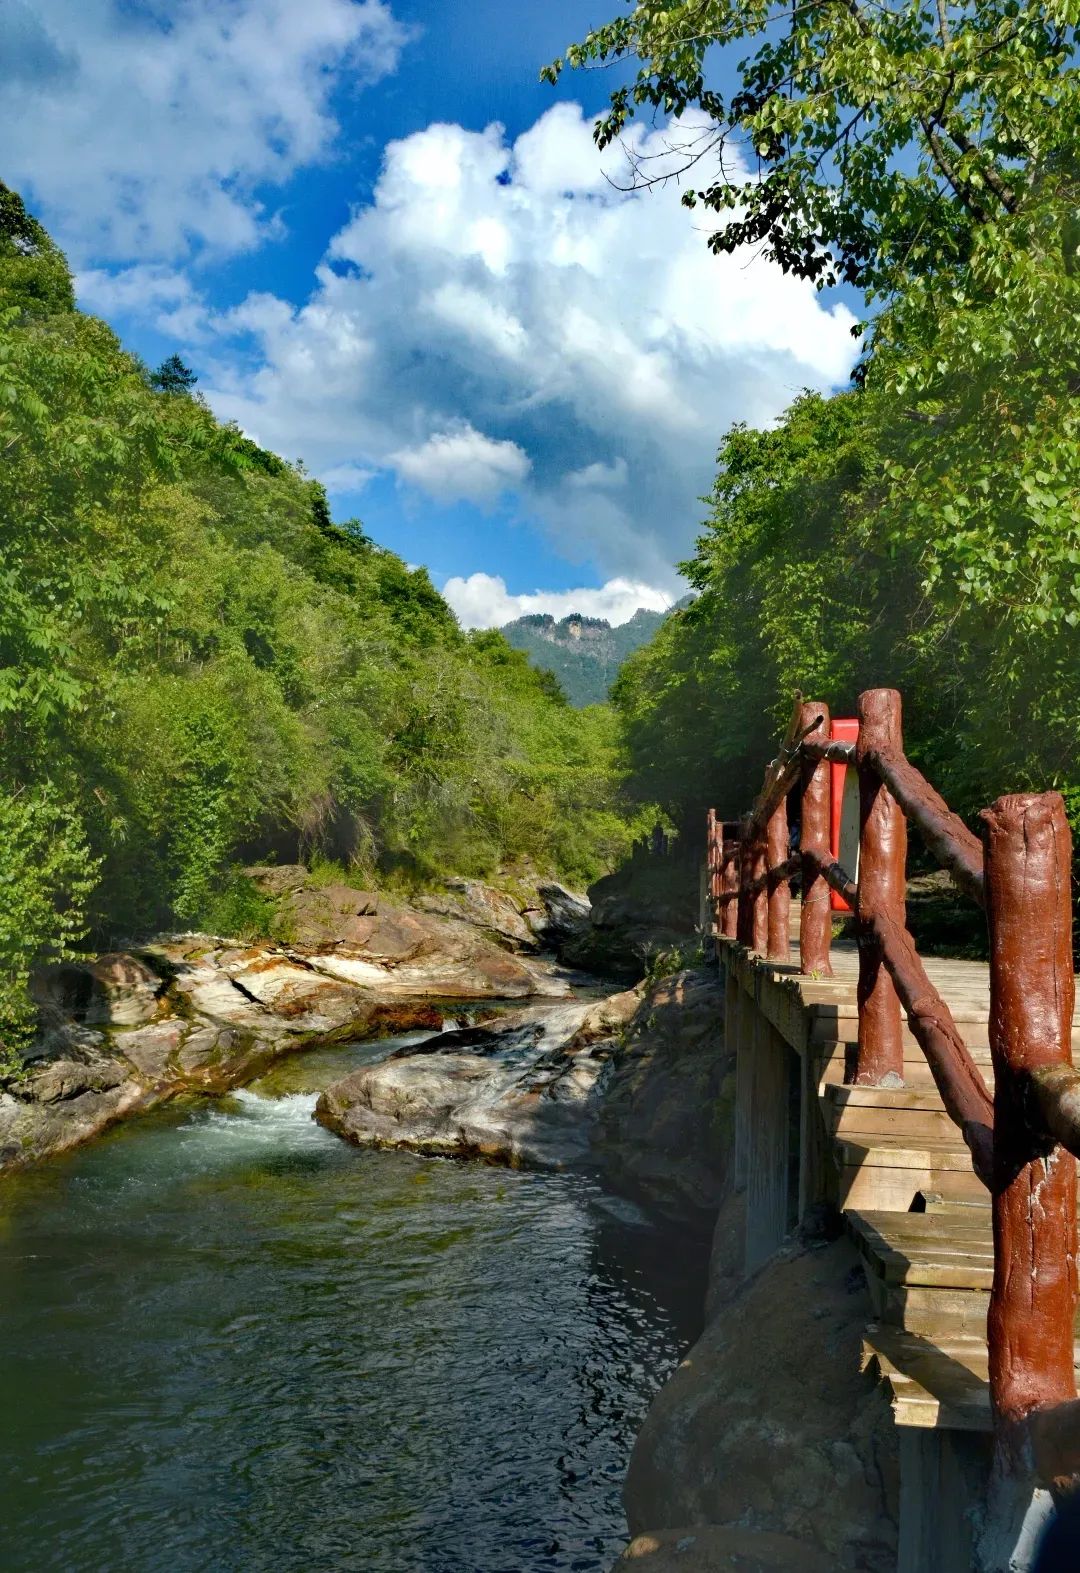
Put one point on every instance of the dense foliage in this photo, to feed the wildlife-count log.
(198, 667)
(922, 530)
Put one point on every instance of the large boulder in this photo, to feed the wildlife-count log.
(493, 912)
(639, 911)
(313, 916)
(560, 916)
(769, 1426)
(635, 1084)
(663, 1124)
(278, 879)
(115, 990)
(58, 1081)
(32, 1129)
(516, 1092)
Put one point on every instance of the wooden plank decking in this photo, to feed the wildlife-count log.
(883, 1152)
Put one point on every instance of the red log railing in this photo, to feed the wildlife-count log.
(1023, 1138)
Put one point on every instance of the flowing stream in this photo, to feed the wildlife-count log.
(231, 1343)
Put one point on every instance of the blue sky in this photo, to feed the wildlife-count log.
(389, 250)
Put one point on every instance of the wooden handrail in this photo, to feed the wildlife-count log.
(950, 841)
(784, 771)
(882, 892)
(947, 838)
(1034, 1293)
(1016, 1137)
(778, 887)
(783, 870)
(835, 876)
(831, 751)
(958, 1079)
(815, 919)
(729, 888)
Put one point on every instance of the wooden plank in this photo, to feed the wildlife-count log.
(931, 1226)
(860, 1185)
(915, 1251)
(931, 1387)
(909, 1126)
(887, 1097)
(818, 1175)
(886, 1153)
(941, 1474)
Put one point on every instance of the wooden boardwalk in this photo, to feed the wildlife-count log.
(890, 1158)
(835, 1107)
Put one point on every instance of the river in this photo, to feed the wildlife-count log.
(231, 1343)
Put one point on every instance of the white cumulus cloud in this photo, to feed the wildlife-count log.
(483, 601)
(462, 465)
(501, 316)
(146, 130)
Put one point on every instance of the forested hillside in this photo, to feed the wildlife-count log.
(198, 668)
(922, 530)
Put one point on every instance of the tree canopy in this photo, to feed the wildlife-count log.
(173, 376)
(863, 142)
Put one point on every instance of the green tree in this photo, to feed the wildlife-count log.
(173, 376)
(35, 274)
(863, 142)
(47, 873)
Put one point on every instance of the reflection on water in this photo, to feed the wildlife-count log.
(228, 1341)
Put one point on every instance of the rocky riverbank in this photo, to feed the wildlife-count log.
(767, 1450)
(121, 1033)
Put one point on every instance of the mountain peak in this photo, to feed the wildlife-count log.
(585, 653)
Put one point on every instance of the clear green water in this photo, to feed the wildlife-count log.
(228, 1341)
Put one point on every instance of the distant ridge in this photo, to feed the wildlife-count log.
(585, 653)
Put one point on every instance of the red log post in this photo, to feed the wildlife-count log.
(729, 884)
(745, 929)
(759, 924)
(779, 898)
(1033, 1300)
(882, 889)
(815, 922)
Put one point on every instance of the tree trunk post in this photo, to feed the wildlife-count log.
(745, 931)
(815, 921)
(1034, 1295)
(759, 940)
(779, 909)
(712, 865)
(729, 884)
(882, 876)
